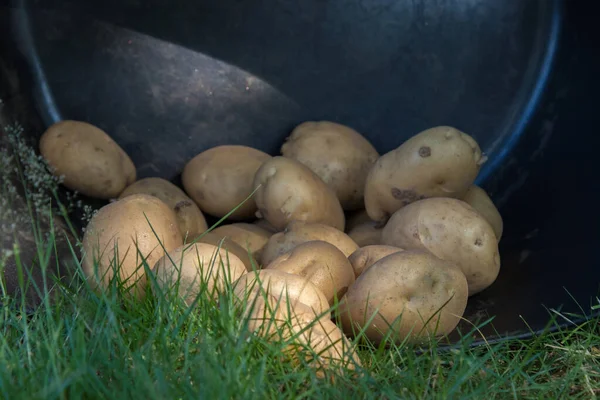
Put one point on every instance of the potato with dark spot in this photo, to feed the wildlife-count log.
(90, 161)
(321, 263)
(477, 198)
(298, 232)
(248, 236)
(190, 219)
(366, 256)
(230, 246)
(451, 230)
(220, 179)
(289, 191)
(410, 295)
(338, 154)
(438, 162)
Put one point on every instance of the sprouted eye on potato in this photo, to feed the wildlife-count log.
(419, 237)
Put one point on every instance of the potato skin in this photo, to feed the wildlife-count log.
(123, 224)
(338, 154)
(477, 198)
(298, 232)
(437, 162)
(366, 234)
(451, 230)
(190, 219)
(91, 162)
(220, 178)
(196, 265)
(415, 285)
(249, 236)
(290, 191)
(366, 256)
(321, 263)
(232, 247)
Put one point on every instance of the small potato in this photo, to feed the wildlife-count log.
(190, 219)
(366, 234)
(193, 268)
(290, 191)
(220, 179)
(90, 161)
(289, 289)
(232, 247)
(477, 198)
(248, 236)
(438, 162)
(339, 155)
(121, 229)
(452, 230)
(366, 256)
(321, 263)
(298, 232)
(413, 295)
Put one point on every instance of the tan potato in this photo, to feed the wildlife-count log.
(248, 236)
(338, 154)
(477, 198)
(366, 256)
(438, 162)
(452, 230)
(366, 234)
(121, 228)
(290, 191)
(266, 225)
(298, 232)
(288, 289)
(221, 178)
(321, 263)
(232, 247)
(190, 219)
(90, 161)
(190, 269)
(409, 294)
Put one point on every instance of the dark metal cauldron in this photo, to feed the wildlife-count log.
(170, 79)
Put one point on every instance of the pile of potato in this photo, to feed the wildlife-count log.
(399, 240)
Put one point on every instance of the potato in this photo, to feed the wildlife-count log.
(357, 218)
(290, 191)
(452, 230)
(339, 155)
(321, 263)
(248, 236)
(409, 294)
(192, 268)
(366, 234)
(438, 162)
(263, 223)
(121, 228)
(90, 161)
(289, 289)
(190, 219)
(366, 256)
(232, 247)
(477, 198)
(220, 179)
(298, 232)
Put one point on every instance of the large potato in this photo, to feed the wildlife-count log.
(438, 162)
(220, 179)
(232, 247)
(288, 289)
(249, 236)
(321, 263)
(366, 256)
(298, 232)
(190, 219)
(452, 230)
(191, 269)
(477, 198)
(409, 294)
(290, 191)
(121, 229)
(339, 155)
(90, 161)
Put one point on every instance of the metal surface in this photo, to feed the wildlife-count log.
(169, 80)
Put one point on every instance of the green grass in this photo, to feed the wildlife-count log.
(85, 344)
